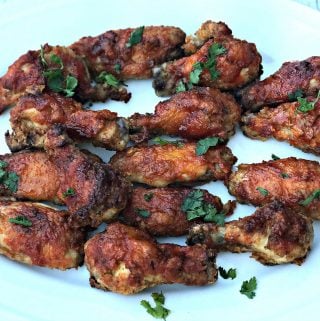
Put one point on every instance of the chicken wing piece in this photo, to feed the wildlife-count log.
(225, 63)
(286, 123)
(208, 30)
(194, 114)
(90, 189)
(275, 234)
(35, 234)
(126, 260)
(281, 87)
(34, 115)
(292, 181)
(160, 166)
(48, 69)
(160, 211)
(130, 53)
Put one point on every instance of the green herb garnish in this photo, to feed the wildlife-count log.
(69, 192)
(117, 68)
(143, 213)
(315, 194)
(262, 191)
(135, 37)
(159, 311)
(284, 175)
(9, 179)
(248, 288)
(195, 207)
(196, 72)
(230, 274)
(148, 197)
(109, 79)
(305, 105)
(204, 144)
(295, 95)
(275, 157)
(181, 86)
(160, 141)
(20, 220)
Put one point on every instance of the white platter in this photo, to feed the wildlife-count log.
(282, 31)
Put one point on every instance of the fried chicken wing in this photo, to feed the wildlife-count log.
(33, 116)
(286, 123)
(160, 166)
(289, 180)
(275, 234)
(159, 212)
(112, 51)
(35, 234)
(27, 76)
(126, 260)
(235, 66)
(291, 77)
(90, 189)
(194, 114)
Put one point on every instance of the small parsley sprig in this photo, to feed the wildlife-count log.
(204, 144)
(305, 105)
(248, 288)
(230, 274)
(159, 311)
(135, 37)
(9, 179)
(109, 80)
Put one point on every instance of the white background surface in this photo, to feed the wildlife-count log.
(282, 31)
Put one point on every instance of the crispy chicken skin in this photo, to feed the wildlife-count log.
(275, 234)
(126, 260)
(99, 192)
(160, 166)
(51, 241)
(289, 180)
(25, 76)
(292, 76)
(103, 52)
(166, 217)
(194, 114)
(34, 115)
(286, 123)
(208, 30)
(238, 66)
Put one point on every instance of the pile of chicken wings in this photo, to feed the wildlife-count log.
(147, 188)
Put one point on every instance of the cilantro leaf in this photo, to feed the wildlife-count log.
(9, 179)
(54, 79)
(295, 95)
(148, 197)
(160, 141)
(56, 60)
(284, 175)
(195, 73)
(109, 79)
(195, 207)
(262, 191)
(20, 220)
(315, 194)
(230, 274)
(117, 68)
(181, 86)
(143, 213)
(204, 144)
(215, 50)
(3, 164)
(248, 288)
(71, 84)
(69, 192)
(135, 37)
(159, 311)
(305, 105)
(275, 157)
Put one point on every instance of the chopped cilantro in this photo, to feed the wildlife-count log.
(8, 179)
(204, 144)
(295, 95)
(284, 175)
(181, 86)
(275, 157)
(195, 73)
(248, 288)
(117, 68)
(69, 192)
(262, 191)
(305, 105)
(315, 194)
(230, 274)
(20, 220)
(148, 197)
(143, 213)
(160, 141)
(159, 311)
(135, 37)
(109, 79)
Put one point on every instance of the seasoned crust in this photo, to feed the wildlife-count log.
(195, 114)
(301, 179)
(292, 76)
(35, 115)
(126, 260)
(160, 166)
(286, 123)
(166, 217)
(275, 234)
(103, 52)
(50, 241)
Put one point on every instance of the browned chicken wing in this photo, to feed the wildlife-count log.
(91, 190)
(160, 211)
(126, 260)
(35, 234)
(160, 166)
(48, 70)
(194, 114)
(275, 234)
(278, 88)
(222, 62)
(286, 123)
(292, 181)
(33, 116)
(116, 51)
